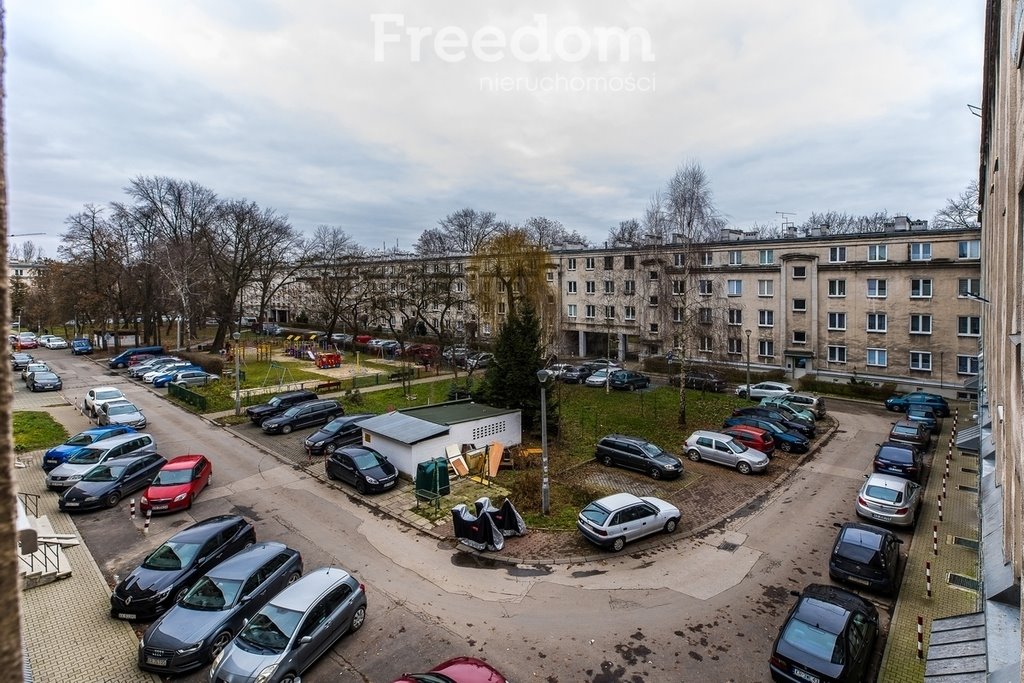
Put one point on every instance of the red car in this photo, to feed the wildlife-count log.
(177, 484)
(458, 670)
(752, 437)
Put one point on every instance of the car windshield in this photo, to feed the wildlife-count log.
(36, 367)
(813, 640)
(271, 629)
(735, 446)
(651, 450)
(600, 374)
(49, 376)
(901, 455)
(212, 594)
(106, 395)
(87, 456)
(104, 473)
(366, 460)
(770, 426)
(595, 513)
(861, 546)
(333, 427)
(82, 439)
(123, 409)
(894, 496)
(172, 555)
(172, 477)
(919, 411)
(291, 412)
(904, 430)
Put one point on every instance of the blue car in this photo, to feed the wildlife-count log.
(788, 440)
(900, 403)
(167, 378)
(58, 455)
(81, 347)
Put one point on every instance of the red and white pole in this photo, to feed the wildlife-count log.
(935, 537)
(133, 509)
(149, 513)
(940, 508)
(928, 577)
(920, 637)
(943, 487)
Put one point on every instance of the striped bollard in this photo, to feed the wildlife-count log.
(943, 488)
(149, 513)
(940, 508)
(935, 538)
(950, 454)
(928, 577)
(132, 508)
(920, 637)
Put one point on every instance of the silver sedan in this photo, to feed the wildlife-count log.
(889, 499)
(725, 450)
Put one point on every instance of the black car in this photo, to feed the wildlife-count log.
(829, 635)
(919, 412)
(628, 380)
(107, 483)
(166, 575)
(303, 415)
(344, 431)
(637, 454)
(867, 556)
(788, 421)
(44, 381)
(899, 459)
(19, 360)
(277, 405)
(704, 381)
(363, 467)
(575, 374)
(194, 631)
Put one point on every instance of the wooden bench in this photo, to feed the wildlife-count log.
(334, 385)
(401, 374)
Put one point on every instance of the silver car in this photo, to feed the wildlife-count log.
(71, 472)
(762, 389)
(194, 378)
(794, 410)
(293, 630)
(725, 450)
(614, 520)
(889, 499)
(121, 413)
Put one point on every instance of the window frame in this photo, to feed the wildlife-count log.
(876, 328)
(973, 248)
(766, 289)
(878, 253)
(836, 353)
(918, 320)
(840, 284)
(837, 323)
(876, 352)
(735, 287)
(837, 254)
(919, 251)
(880, 286)
(920, 365)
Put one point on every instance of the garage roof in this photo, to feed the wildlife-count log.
(454, 412)
(403, 428)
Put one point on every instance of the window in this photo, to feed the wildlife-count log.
(591, 287)
(735, 316)
(704, 315)
(877, 322)
(679, 260)
(609, 263)
(571, 264)
(571, 284)
(877, 289)
(653, 300)
(735, 345)
(705, 344)
(766, 348)
(460, 286)
(837, 354)
(588, 263)
(878, 358)
(765, 318)
(572, 310)
(735, 258)
(765, 288)
(799, 272)
(800, 305)
(766, 257)
(968, 285)
(678, 287)
(968, 249)
(629, 287)
(735, 287)
(629, 312)
(799, 337)
(550, 275)
(837, 288)
(921, 360)
(652, 275)
(677, 314)
(653, 327)
(967, 365)
(501, 308)
(707, 258)
(836, 321)
(629, 262)
(609, 313)
(609, 287)
(968, 326)
(837, 255)
(921, 251)
(920, 323)
(590, 311)
(878, 252)
(921, 288)
(704, 287)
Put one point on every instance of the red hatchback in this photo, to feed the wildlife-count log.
(753, 437)
(177, 484)
(458, 670)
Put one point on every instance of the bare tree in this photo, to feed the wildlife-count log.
(960, 211)
(548, 232)
(337, 278)
(628, 233)
(462, 232)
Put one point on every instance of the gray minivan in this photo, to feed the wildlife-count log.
(69, 473)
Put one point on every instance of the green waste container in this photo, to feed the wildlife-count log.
(432, 479)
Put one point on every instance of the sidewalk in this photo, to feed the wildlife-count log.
(958, 536)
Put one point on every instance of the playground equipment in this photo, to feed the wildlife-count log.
(328, 360)
(263, 350)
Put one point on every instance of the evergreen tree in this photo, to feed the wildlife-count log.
(511, 379)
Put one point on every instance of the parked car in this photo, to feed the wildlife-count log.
(58, 454)
(752, 437)
(899, 459)
(167, 375)
(66, 475)
(44, 339)
(763, 389)
(788, 441)
(122, 359)
(867, 556)
(363, 467)
(700, 380)
(44, 381)
(277, 405)
(121, 413)
(195, 630)
(575, 374)
(603, 364)
(792, 410)
(458, 670)
(598, 378)
(34, 366)
(828, 635)
(791, 423)
(94, 398)
(193, 378)
(174, 366)
(294, 629)
(556, 369)
(19, 361)
(899, 403)
(107, 483)
(628, 380)
(177, 484)
(725, 450)
(637, 454)
(167, 573)
(137, 371)
(889, 499)
(308, 414)
(81, 347)
(480, 360)
(815, 404)
(56, 343)
(909, 432)
(615, 520)
(26, 340)
(344, 431)
(918, 412)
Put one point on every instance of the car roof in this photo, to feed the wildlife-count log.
(617, 500)
(207, 527)
(750, 429)
(97, 389)
(827, 607)
(910, 424)
(864, 535)
(896, 445)
(304, 592)
(183, 462)
(623, 437)
(711, 435)
(887, 481)
(111, 441)
(242, 564)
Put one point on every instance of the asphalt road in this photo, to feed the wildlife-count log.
(698, 609)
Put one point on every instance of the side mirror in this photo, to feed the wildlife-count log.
(246, 598)
(305, 639)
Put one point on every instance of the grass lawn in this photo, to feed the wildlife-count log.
(35, 429)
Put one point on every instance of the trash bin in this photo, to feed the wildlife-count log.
(432, 478)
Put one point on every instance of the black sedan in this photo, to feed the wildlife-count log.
(345, 431)
(829, 635)
(106, 484)
(19, 360)
(900, 460)
(866, 555)
(788, 421)
(165, 576)
(363, 467)
(193, 632)
(44, 381)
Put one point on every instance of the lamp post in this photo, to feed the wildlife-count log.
(748, 363)
(545, 489)
(238, 386)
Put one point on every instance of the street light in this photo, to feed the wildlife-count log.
(545, 489)
(748, 363)
(238, 387)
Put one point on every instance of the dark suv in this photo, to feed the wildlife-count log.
(899, 459)
(277, 405)
(307, 414)
(637, 454)
(704, 381)
(629, 380)
(345, 431)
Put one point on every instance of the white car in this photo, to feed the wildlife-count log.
(164, 370)
(100, 395)
(599, 378)
(56, 343)
(763, 389)
(614, 520)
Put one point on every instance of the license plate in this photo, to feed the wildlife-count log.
(125, 615)
(858, 580)
(879, 517)
(70, 505)
(389, 484)
(803, 675)
(155, 661)
(159, 507)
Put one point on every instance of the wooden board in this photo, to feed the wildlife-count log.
(494, 456)
(459, 463)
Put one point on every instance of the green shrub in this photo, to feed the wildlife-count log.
(855, 389)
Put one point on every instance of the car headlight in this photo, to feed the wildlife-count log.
(91, 499)
(190, 649)
(265, 674)
(162, 594)
(371, 480)
(145, 501)
(75, 477)
(180, 497)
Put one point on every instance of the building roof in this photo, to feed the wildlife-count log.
(403, 428)
(454, 412)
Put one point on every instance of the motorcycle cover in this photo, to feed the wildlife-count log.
(476, 532)
(506, 518)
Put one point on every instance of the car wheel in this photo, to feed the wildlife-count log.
(360, 485)
(693, 455)
(671, 525)
(288, 678)
(191, 498)
(742, 394)
(743, 467)
(357, 619)
(618, 544)
(286, 429)
(632, 387)
(293, 577)
(655, 473)
(607, 460)
(331, 448)
(786, 446)
(113, 499)
(219, 643)
(329, 473)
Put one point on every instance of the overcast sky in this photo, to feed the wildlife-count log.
(384, 117)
